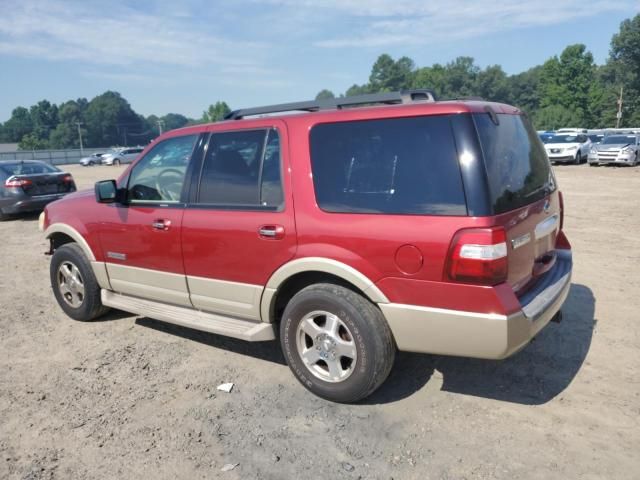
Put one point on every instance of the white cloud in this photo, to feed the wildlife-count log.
(380, 23)
(112, 34)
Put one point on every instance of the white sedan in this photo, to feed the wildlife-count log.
(568, 148)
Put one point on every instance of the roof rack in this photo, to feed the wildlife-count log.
(388, 98)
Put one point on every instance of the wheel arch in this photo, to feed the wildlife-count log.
(61, 233)
(298, 274)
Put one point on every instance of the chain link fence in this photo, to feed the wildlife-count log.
(53, 157)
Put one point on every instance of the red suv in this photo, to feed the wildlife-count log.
(353, 227)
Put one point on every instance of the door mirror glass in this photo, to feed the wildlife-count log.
(106, 191)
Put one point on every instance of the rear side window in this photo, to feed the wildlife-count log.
(242, 169)
(391, 166)
(517, 166)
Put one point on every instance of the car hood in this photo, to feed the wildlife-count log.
(612, 146)
(561, 145)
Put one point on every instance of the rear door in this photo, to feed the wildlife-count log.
(239, 226)
(141, 239)
(523, 194)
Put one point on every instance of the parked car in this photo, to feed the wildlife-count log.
(616, 149)
(421, 226)
(124, 155)
(568, 148)
(546, 136)
(91, 160)
(29, 185)
(596, 138)
(572, 130)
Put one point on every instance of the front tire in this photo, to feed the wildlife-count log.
(116, 162)
(336, 342)
(74, 284)
(578, 159)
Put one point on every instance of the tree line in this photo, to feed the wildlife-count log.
(567, 90)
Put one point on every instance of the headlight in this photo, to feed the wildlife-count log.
(626, 150)
(593, 150)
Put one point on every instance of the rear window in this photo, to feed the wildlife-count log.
(27, 168)
(518, 170)
(391, 166)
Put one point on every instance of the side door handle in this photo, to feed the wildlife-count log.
(161, 224)
(271, 232)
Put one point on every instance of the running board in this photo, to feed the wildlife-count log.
(187, 317)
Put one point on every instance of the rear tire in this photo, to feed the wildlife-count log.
(3, 216)
(74, 285)
(336, 342)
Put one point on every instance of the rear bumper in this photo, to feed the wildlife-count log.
(31, 204)
(481, 335)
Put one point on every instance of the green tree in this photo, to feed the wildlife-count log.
(568, 81)
(32, 142)
(491, 84)
(19, 125)
(216, 112)
(110, 121)
(388, 75)
(624, 68)
(325, 95)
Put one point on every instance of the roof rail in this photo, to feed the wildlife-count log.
(389, 98)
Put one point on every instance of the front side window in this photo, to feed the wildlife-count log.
(392, 166)
(159, 176)
(242, 169)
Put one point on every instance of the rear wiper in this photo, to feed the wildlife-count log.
(546, 188)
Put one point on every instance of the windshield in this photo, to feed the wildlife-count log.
(563, 139)
(618, 140)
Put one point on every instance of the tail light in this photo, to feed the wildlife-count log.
(479, 256)
(67, 178)
(17, 182)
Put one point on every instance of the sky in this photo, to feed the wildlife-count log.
(180, 56)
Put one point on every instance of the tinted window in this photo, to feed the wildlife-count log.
(517, 167)
(564, 139)
(242, 169)
(394, 166)
(159, 176)
(27, 168)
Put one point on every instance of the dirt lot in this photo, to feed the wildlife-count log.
(130, 397)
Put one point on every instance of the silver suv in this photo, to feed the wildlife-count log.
(616, 149)
(124, 155)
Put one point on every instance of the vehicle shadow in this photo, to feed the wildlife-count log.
(269, 351)
(534, 376)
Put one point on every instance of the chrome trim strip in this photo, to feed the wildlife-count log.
(520, 241)
(547, 226)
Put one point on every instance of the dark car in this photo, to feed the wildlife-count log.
(28, 185)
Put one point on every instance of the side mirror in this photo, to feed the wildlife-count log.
(106, 191)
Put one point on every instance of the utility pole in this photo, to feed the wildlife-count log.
(80, 136)
(160, 125)
(619, 114)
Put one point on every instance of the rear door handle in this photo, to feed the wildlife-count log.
(271, 232)
(161, 224)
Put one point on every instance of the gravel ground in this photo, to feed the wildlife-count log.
(127, 397)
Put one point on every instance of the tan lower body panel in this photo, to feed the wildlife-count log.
(188, 317)
(228, 298)
(465, 334)
(100, 271)
(151, 284)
